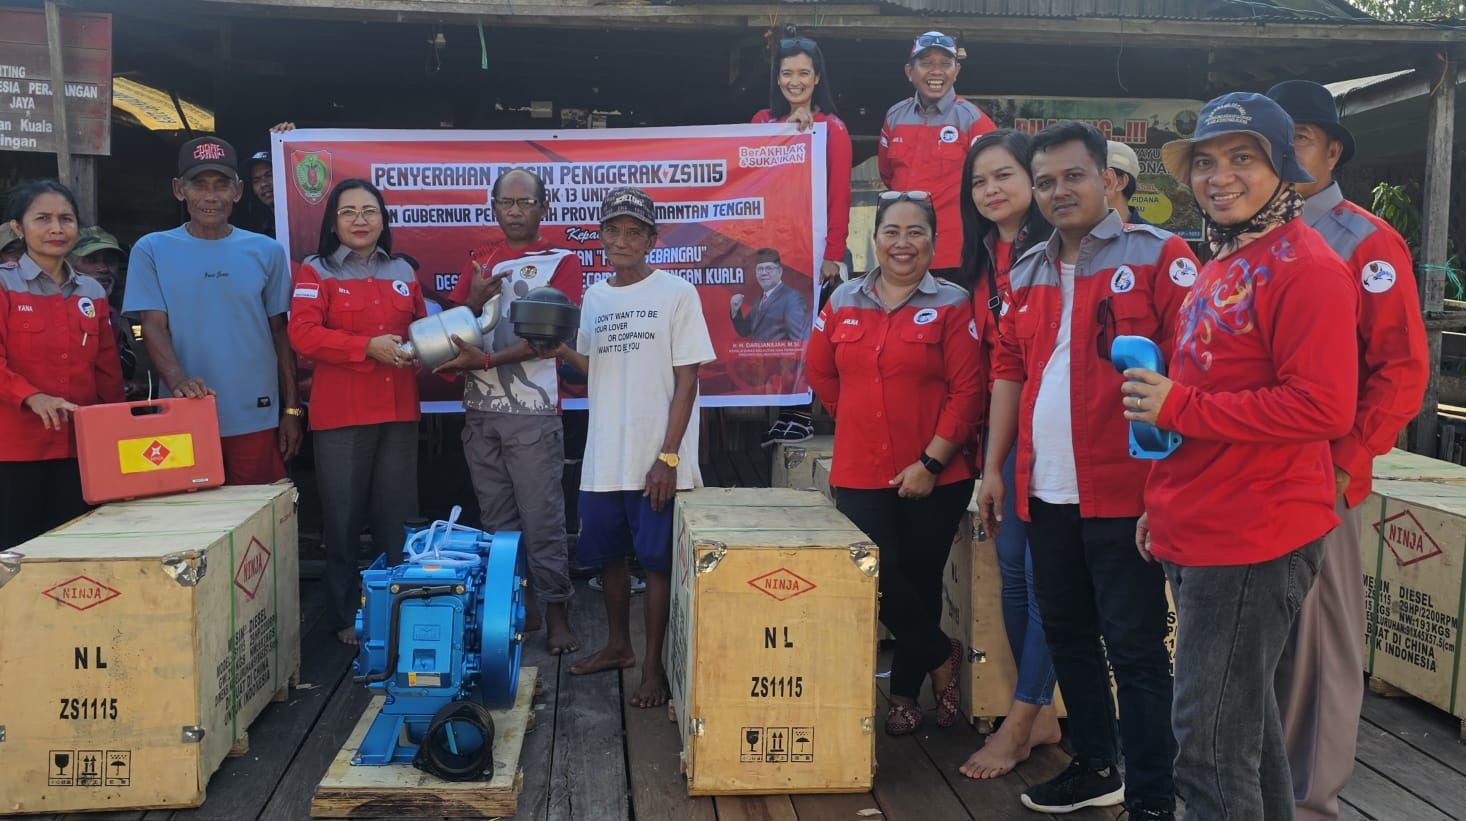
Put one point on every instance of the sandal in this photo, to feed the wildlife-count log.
(903, 719)
(949, 706)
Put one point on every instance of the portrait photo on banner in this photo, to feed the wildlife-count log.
(740, 214)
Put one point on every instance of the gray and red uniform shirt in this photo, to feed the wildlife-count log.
(922, 149)
(56, 340)
(1393, 362)
(1128, 279)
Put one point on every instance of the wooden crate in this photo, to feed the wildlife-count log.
(1413, 549)
(972, 613)
(403, 791)
(1404, 465)
(794, 464)
(771, 645)
(822, 477)
(154, 632)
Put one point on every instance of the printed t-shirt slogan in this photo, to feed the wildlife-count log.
(729, 199)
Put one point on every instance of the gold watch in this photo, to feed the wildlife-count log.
(669, 459)
(294, 412)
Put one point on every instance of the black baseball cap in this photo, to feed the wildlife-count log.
(1309, 103)
(255, 159)
(207, 154)
(1240, 112)
(629, 202)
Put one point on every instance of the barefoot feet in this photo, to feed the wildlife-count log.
(609, 658)
(1013, 742)
(561, 639)
(347, 636)
(653, 690)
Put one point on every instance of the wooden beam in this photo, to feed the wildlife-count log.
(58, 91)
(840, 20)
(83, 183)
(1435, 222)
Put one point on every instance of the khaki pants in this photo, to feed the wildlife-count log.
(1320, 679)
(516, 461)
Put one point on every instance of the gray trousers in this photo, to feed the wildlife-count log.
(1232, 623)
(367, 475)
(516, 461)
(1320, 681)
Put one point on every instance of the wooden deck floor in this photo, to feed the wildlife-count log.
(592, 757)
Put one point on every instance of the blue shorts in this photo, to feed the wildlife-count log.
(617, 524)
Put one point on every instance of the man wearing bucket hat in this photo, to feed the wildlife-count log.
(1318, 683)
(1258, 388)
(642, 339)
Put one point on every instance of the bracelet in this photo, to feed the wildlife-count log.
(488, 361)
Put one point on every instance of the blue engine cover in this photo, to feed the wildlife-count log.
(1146, 440)
(445, 625)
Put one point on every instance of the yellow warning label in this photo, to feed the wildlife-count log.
(155, 453)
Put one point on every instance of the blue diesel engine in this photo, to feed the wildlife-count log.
(440, 636)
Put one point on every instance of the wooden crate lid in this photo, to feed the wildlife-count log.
(1447, 498)
(152, 528)
(751, 497)
(1402, 464)
(770, 526)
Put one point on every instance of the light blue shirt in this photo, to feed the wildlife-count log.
(219, 296)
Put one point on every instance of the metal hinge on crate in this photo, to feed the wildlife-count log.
(2, 732)
(864, 562)
(186, 567)
(709, 563)
(976, 656)
(192, 734)
(867, 725)
(698, 727)
(793, 456)
(9, 565)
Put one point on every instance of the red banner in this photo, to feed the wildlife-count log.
(730, 200)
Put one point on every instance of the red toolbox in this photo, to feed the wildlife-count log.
(150, 448)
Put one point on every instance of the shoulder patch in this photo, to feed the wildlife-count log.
(1123, 280)
(307, 292)
(1377, 276)
(1183, 272)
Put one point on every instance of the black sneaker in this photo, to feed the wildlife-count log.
(1076, 788)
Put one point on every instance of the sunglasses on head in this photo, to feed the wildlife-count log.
(797, 42)
(904, 196)
(935, 40)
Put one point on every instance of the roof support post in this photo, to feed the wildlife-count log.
(1435, 222)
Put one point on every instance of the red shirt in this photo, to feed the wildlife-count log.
(1265, 375)
(837, 180)
(1393, 361)
(54, 339)
(893, 380)
(1128, 279)
(922, 148)
(337, 307)
(1001, 255)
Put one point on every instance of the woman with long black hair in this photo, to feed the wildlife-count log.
(1000, 222)
(800, 92)
(352, 303)
(57, 353)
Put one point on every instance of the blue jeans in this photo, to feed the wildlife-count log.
(1021, 619)
(1233, 622)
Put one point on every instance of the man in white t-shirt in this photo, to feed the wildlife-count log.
(642, 338)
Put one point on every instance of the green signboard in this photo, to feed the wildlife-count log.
(1145, 125)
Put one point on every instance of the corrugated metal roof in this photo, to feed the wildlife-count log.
(1268, 10)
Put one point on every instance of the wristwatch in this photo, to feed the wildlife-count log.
(295, 412)
(932, 465)
(668, 459)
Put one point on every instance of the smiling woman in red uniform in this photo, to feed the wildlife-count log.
(894, 356)
(351, 307)
(56, 354)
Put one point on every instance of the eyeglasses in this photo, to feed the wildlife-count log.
(797, 42)
(370, 214)
(1105, 319)
(935, 41)
(524, 203)
(904, 196)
